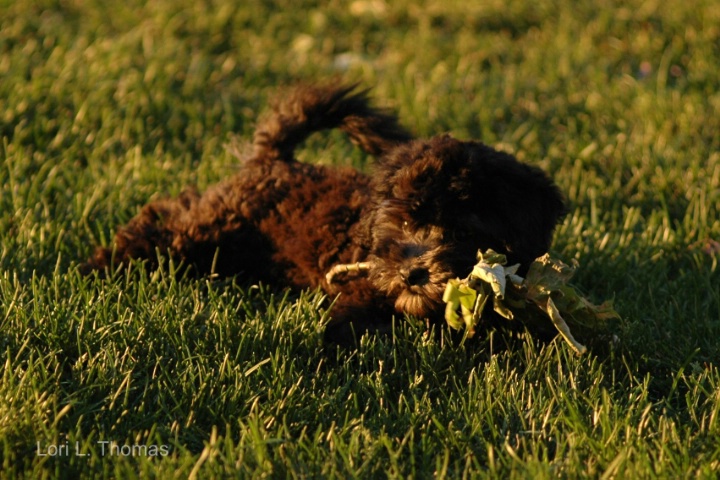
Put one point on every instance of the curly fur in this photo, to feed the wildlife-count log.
(418, 219)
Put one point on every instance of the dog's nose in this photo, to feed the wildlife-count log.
(415, 276)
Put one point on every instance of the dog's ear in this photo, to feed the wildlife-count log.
(518, 204)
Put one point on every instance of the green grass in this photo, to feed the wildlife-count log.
(105, 105)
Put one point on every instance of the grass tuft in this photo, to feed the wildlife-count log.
(105, 107)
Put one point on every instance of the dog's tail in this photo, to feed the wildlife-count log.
(311, 108)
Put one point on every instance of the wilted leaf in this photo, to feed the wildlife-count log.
(459, 296)
(493, 275)
(543, 293)
(562, 327)
(502, 310)
(546, 275)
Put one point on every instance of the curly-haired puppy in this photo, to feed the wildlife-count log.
(386, 242)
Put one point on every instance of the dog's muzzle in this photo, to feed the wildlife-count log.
(415, 277)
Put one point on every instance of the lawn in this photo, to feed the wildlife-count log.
(106, 105)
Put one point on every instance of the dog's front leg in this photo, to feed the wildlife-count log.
(350, 322)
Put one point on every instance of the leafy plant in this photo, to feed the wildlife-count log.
(543, 294)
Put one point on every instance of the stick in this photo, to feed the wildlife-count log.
(347, 267)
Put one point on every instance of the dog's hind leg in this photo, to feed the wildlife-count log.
(156, 229)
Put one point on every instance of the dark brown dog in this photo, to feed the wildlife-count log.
(387, 243)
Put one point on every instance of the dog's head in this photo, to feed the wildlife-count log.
(437, 202)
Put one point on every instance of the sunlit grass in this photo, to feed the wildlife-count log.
(105, 106)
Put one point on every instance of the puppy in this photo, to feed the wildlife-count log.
(386, 243)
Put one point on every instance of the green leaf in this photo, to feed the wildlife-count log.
(459, 296)
(543, 294)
